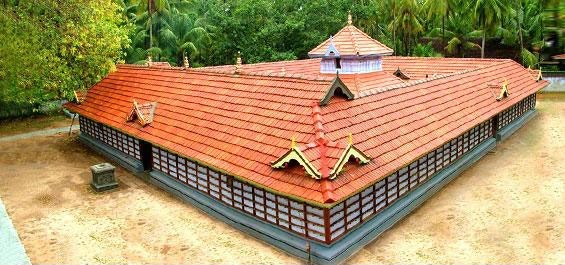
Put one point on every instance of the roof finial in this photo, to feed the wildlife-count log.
(149, 60)
(349, 19)
(292, 142)
(185, 62)
(350, 139)
(238, 62)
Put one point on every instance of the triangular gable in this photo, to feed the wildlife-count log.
(398, 73)
(336, 84)
(350, 151)
(142, 112)
(332, 50)
(295, 154)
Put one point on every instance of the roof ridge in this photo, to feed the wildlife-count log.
(324, 42)
(374, 40)
(227, 72)
(353, 40)
(369, 92)
(326, 185)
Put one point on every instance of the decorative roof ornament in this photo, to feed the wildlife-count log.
(297, 155)
(349, 18)
(185, 62)
(149, 60)
(503, 91)
(350, 152)
(322, 159)
(80, 96)
(142, 112)
(539, 77)
(238, 62)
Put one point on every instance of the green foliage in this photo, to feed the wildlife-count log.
(425, 51)
(51, 48)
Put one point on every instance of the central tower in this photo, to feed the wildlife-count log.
(350, 51)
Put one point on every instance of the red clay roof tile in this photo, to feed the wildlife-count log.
(240, 123)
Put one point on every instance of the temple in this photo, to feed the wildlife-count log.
(316, 156)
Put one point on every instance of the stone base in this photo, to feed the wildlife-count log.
(515, 125)
(105, 187)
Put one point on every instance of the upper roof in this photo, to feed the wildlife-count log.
(351, 41)
(558, 57)
(239, 123)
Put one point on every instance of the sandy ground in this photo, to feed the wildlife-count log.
(508, 208)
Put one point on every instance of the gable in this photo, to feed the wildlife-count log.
(143, 113)
(339, 86)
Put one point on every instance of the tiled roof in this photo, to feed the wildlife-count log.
(558, 57)
(351, 41)
(240, 123)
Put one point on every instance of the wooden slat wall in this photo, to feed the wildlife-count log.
(517, 110)
(294, 216)
(362, 206)
(119, 141)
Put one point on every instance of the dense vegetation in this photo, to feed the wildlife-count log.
(49, 48)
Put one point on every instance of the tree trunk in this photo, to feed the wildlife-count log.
(483, 43)
(150, 24)
(443, 31)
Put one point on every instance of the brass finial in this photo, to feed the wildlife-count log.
(350, 139)
(185, 62)
(238, 61)
(293, 142)
(349, 18)
(149, 59)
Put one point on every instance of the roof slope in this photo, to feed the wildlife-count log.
(240, 123)
(351, 41)
(559, 57)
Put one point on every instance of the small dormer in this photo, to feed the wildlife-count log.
(350, 51)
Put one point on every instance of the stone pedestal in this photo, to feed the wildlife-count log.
(103, 177)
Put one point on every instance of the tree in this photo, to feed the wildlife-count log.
(183, 34)
(407, 21)
(460, 35)
(488, 16)
(50, 48)
(150, 13)
(440, 8)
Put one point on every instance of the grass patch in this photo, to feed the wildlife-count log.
(33, 123)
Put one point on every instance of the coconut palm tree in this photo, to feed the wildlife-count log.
(460, 35)
(488, 15)
(406, 19)
(149, 13)
(440, 8)
(182, 34)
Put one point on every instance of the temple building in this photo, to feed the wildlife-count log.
(316, 156)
